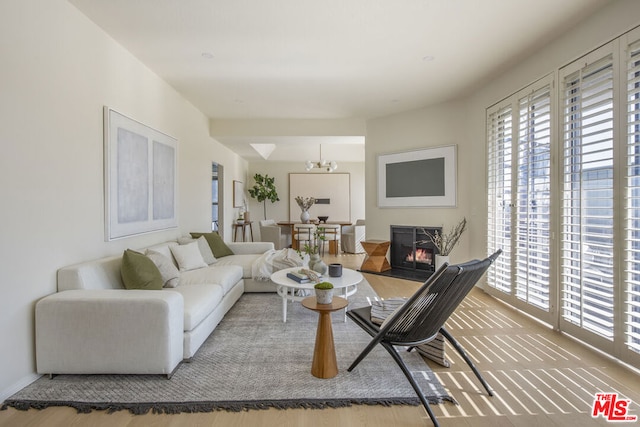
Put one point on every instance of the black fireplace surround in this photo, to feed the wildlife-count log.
(412, 249)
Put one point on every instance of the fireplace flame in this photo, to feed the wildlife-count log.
(422, 256)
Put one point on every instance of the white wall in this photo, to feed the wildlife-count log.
(58, 71)
(429, 127)
(280, 171)
(463, 122)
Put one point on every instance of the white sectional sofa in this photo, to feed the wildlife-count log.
(93, 325)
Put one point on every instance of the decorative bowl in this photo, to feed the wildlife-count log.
(323, 218)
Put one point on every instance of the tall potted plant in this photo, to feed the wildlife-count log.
(264, 189)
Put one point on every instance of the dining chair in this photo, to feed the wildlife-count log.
(302, 234)
(272, 232)
(331, 237)
(351, 237)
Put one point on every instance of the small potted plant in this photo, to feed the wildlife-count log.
(324, 292)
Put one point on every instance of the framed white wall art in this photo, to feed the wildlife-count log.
(332, 192)
(419, 178)
(238, 194)
(140, 177)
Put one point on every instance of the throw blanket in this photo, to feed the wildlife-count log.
(433, 350)
(274, 260)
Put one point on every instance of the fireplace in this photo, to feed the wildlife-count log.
(411, 248)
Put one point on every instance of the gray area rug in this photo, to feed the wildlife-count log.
(251, 361)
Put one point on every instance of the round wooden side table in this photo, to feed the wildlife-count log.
(324, 363)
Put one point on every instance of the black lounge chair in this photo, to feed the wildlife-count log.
(423, 315)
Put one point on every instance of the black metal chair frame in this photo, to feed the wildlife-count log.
(419, 320)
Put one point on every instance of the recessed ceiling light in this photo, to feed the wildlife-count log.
(207, 55)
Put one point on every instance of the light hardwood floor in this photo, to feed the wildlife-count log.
(540, 377)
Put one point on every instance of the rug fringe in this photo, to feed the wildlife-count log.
(229, 406)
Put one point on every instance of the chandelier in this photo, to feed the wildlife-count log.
(330, 165)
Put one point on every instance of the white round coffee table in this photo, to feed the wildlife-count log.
(345, 286)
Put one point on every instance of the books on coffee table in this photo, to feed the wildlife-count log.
(303, 276)
(300, 278)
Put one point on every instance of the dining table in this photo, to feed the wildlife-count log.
(314, 221)
(290, 224)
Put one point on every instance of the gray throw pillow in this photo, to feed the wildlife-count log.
(205, 250)
(168, 271)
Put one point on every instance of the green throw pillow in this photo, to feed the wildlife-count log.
(139, 272)
(218, 247)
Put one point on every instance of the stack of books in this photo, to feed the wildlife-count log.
(303, 276)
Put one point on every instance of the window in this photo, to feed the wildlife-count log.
(520, 196)
(533, 198)
(499, 135)
(587, 236)
(632, 195)
(591, 289)
(215, 203)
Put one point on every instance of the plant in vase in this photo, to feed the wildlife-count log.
(324, 292)
(445, 242)
(313, 250)
(305, 204)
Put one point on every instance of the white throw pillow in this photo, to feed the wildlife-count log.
(168, 271)
(203, 245)
(162, 249)
(205, 250)
(188, 256)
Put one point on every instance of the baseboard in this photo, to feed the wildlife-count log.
(13, 389)
(399, 273)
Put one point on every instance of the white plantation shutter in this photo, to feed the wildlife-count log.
(533, 198)
(632, 220)
(586, 282)
(499, 136)
(587, 271)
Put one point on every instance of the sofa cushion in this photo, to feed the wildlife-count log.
(203, 245)
(164, 249)
(186, 239)
(244, 261)
(217, 245)
(199, 302)
(167, 268)
(188, 256)
(139, 272)
(205, 250)
(224, 275)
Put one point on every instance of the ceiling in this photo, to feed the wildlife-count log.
(332, 59)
